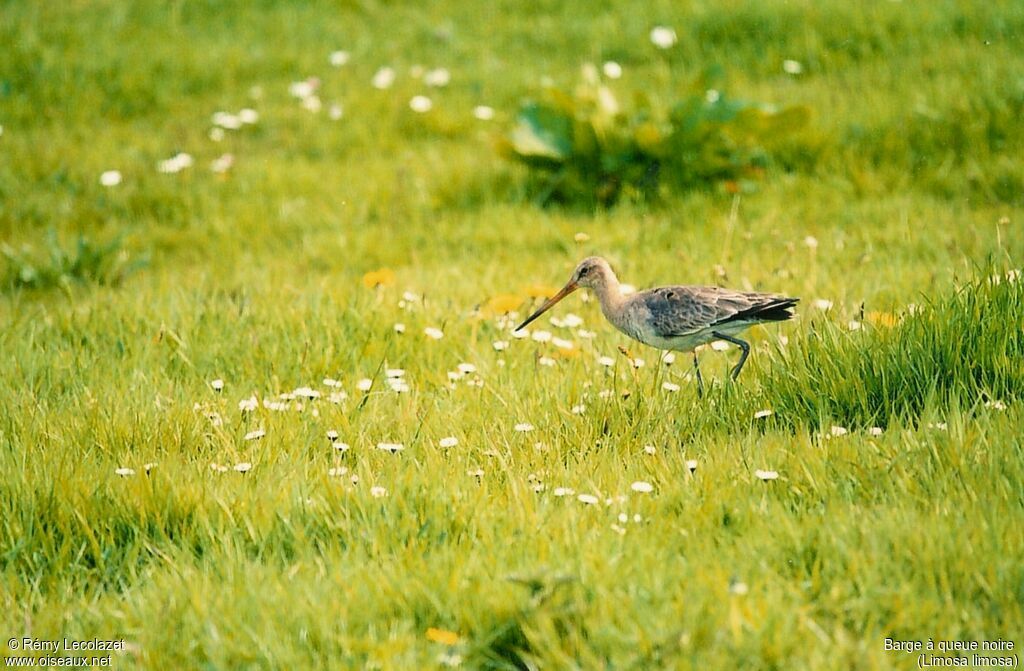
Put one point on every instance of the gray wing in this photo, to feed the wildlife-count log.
(681, 310)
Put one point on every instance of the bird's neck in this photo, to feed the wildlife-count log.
(610, 294)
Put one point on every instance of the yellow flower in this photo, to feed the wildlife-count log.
(541, 291)
(648, 137)
(378, 278)
(882, 318)
(501, 305)
(442, 636)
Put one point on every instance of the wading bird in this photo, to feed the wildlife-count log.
(675, 318)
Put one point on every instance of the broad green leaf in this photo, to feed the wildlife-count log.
(542, 132)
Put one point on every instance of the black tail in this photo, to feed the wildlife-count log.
(775, 310)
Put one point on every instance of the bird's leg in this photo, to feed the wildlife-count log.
(743, 345)
(700, 380)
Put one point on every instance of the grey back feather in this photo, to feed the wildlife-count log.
(680, 310)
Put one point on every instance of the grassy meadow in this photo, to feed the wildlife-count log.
(285, 257)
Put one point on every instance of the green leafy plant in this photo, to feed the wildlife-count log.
(588, 146)
(107, 263)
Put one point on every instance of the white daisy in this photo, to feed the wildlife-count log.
(561, 343)
(421, 104)
(572, 321)
(312, 104)
(822, 304)
(222, 163)
(301, 90)
(110, 178)
(176, 163)
(384, 78)
(483, 112)
(663, 37)
(437, 78)
(792, 67)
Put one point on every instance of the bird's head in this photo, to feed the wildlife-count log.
(592, 272)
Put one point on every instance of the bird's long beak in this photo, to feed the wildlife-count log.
(549, 303)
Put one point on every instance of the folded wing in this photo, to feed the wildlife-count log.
(682, 310)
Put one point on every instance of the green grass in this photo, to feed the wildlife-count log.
(909, 178)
